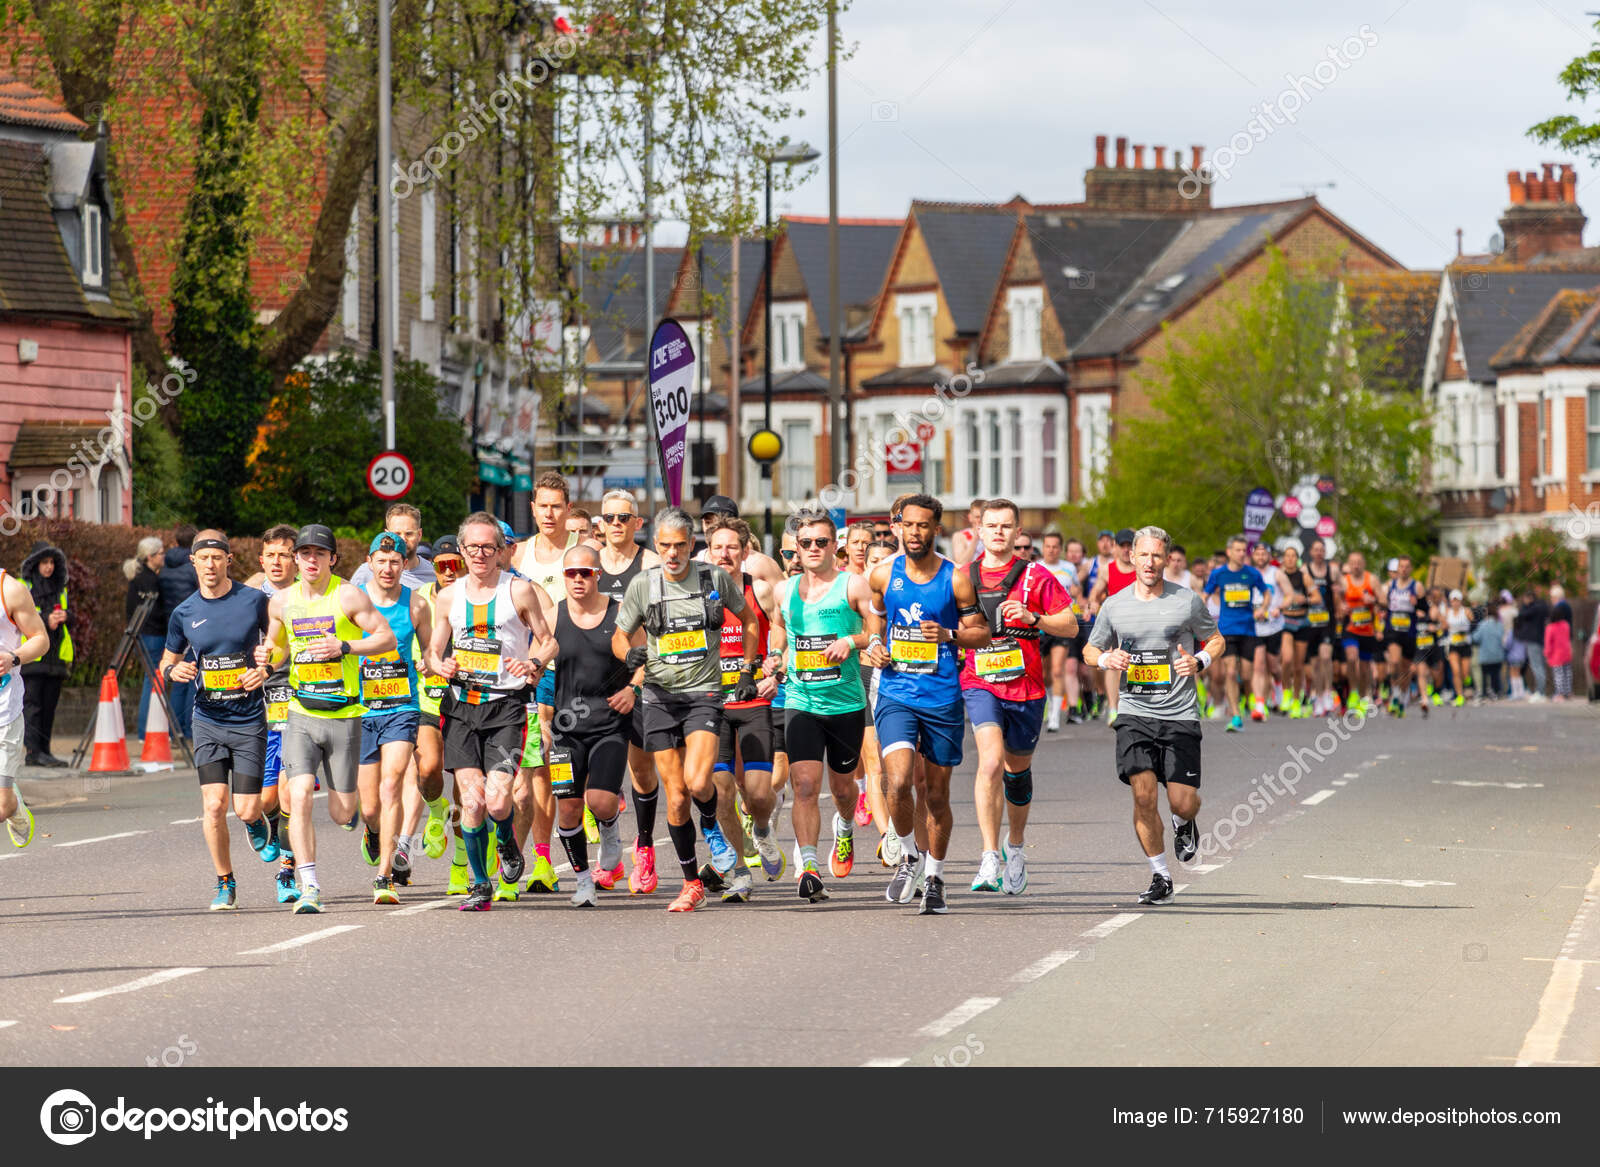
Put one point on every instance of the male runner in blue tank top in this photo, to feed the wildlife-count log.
(928, 608)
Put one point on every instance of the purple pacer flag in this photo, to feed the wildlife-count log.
(672, 368)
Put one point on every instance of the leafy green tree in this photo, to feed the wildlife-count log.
(1285, 385)
(1581, 80)
(309, 461)
(1535, 558)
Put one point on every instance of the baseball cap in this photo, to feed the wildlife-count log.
(720, 504)
(447, 545)
(394, 543)
(505, 529)
(315, 535)
(1104, 535)
(1455, 594)
(1125, 535)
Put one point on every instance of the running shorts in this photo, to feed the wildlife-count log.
(831, 738)
(1243, 647)
(935, 732)
(669, 716)
(485, 737)
(1365, 646)
(1168, 749)
(332, 744)
(750, 729)
(377, 731)
(780, 726)
(1020, 722)
(230, 752)
(580, 762)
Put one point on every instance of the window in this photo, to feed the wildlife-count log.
(915, 315)
(350, 310)
(1025, 306)
(109, 497)
(94, 259)
(799, 454)
(1048, 435)
(1594, 431)
(788, 338)
(1094, 438)
(974, 454)
(1014, 448)
(429, 257)
(703, 461)
(991, 419)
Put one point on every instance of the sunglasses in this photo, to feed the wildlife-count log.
(448, 563)
(819, 541)
(580, 572)
(618, 517)
(1022, 547)
(787, 553)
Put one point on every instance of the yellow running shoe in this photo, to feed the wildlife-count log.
(460, 873)
(591, 828)
(436, 831)
(543, 880)
(504, 892)
(20, 824)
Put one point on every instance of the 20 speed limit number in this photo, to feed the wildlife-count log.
(389, 475)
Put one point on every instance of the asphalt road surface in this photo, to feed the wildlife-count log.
(1426, 894)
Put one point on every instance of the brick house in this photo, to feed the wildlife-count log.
(66, 320)
(1513, 373)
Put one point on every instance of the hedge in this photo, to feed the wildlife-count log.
(96, 588)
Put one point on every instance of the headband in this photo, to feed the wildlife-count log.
(209, 545)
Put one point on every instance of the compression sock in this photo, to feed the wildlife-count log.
(505, 837)
(576, 847)
(477, 848)
(708, 811)
(644, 810)
(683, 843)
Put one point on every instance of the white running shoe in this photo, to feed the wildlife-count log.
(1015, 880)
(585, 896)
(988, 872)
(772, 863)
(891, 848)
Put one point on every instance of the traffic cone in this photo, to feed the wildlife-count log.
(155, 753)
(110, 738)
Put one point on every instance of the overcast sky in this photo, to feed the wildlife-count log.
(983, 99)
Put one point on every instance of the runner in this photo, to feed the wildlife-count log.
(389, 688)
(1357, 608)
(677, 604)
(277, 573)
(212, 636)
(1319, 580)
(1158, 734)
(858, 549)
(405, 520)
(1117, 575)
(1239, 585)
(425, 790)
(1269, 633)
(966, 543)
(1087, 677)
(757, 563)
(871, 758)
(589, 737)
(23, 638)
(1002, 686)
(1294, 621)
(1458, 633)
(326, 626)
(620, 560)
(857, 541)
(1402, 597)
(744, 744)
(1061, 653)
(817, 637)
(1430, 651)
(1177, 568)
(929, 608)
(489, 620)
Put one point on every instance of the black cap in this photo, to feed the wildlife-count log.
(316, 535)
(720, 504)
(1125, 535)
(446, 545)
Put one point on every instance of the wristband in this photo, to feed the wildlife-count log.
(874, 639)
(1105, 666)
(1204, 658)
(536, 664)
(344, 647)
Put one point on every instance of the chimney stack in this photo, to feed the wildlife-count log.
(1158, 188)
(1161, 157)
(1138, 157)
(1122, 153)
(1543, 217)
(1100, 151)
(1199, 156)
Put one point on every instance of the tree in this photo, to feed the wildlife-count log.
(1287, 384)
(1581, 80)
(1535, 558)
(309, 460)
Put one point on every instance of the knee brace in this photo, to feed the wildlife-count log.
(1019, 787)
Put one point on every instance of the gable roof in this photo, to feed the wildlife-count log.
(1580, 343)
(968, 248)
(718, 251)
(1399, 307)
(1089, 261)
(1492, 304)
(22, 105)
(865, 248)
(1537, 336)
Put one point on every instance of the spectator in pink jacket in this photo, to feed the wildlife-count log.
(1558, 651)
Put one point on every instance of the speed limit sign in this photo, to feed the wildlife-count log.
(389, 475)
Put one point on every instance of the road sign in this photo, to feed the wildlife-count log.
(1326, 527)
(1291, 507)
(1310, 516)
(924, 432)
(904, 458)
(1258, 508)
(389, 475)
(1308, 494)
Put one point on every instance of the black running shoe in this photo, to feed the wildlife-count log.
(902, 883)
(1159, 891)
(712, 879)
(811, 889)
(1186, 841)
(511, 861)
(933, 897)
(479, 896)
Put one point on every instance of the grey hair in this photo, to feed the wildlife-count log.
(673, 519)
(149, 545)
(1154, 533)
(584, 550)
(620, 496)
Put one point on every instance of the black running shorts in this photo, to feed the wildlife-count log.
(669, 716)
(580, 762)
(1243, 647)
(831, 737)
(780, 721)
(485, 737)
(1168, 749)
(750, 728)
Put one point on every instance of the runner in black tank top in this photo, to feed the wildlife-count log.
(616, 585)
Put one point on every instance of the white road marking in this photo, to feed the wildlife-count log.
(1383, 757)
(284, 945)
(1353, 774)
(958, 1016)
(883, 1063)
(1392, 882)
(1319, 796)
(159, 978)
(1100, 931)
(1506, 785)
(10, 856)
(102, 838)
(1339, 782)
(182, 822)
(425, 906)
(1045, 964)
(6, 1024)
(1205, 868)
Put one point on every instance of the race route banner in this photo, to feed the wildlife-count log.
(1258, 509)
(671, 376)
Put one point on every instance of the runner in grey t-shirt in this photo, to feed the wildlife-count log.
(1148, 631)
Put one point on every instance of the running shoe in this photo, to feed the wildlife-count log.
(863, 811)
(1462, 700)
(773, 861)
(310, 902)
(512, 863)
(402, 865)
(712, 878)
(1258, 711)
(723, 857)
(933, 898)
(752, 857)
(460, 875)
(20, 824)
(591, 828)
(691, 897)
(1159, 891)
(1186, 841)
(287, 891)
(737, 892)
(842, 859)
(272, 852)
(370, 843)
(1015, 881)
(607, 878)
(504, 893)
(227, 895)
(988, 878)
(1235, 724)
(436, 831)
(383, 890)
(890, 849)
(1111, 718)
(355, 821)
(811, 889)
(642, 879)
(584, 897)
(259, 835)
(543, 880)
(610, 857)
(904, 883)
(479, 897)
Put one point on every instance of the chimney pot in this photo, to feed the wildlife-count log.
(1530, 182)
(1122, 153)
(1569, 185)
(1138, 157)
(1199, 155)
(1100, 151)
(1161, 157)
(1549, 170)
(1514, 182)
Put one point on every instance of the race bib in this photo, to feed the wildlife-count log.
(1236, 597)
(810, 666)
(320, 672)
(562, 782)
(1361, 618)
(1458, 638)
(1317, 615)
(479, 665)
(385, 683)
(1149, 672)
(222, 676)
(682, 647)
(999, 661)
(1424, 640)
(278, 703)
(909, 652)
(1400, 621)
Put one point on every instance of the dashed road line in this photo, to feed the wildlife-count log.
(1391, 882)
(1319, 796)
(958, 1016)
(1100, 931)
(157, 978)
(425, 906)
(1206, 868)
(1045, 964)
(296, 942)
(102, 838)
(1505, 785)
(6, 1024)
(183, 822)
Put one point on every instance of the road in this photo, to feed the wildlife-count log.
(1418, 898)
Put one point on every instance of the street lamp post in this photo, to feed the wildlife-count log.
(795, 154)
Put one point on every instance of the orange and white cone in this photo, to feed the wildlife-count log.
(110, 738)
(155, 753)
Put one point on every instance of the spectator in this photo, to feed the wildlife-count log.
(45, 573)
(1516, 651)
(1594, 663)
(1559, 608)
(1528, 629)
(1558, 646)
(178, 582)
(153, 632)
(1489, 637)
